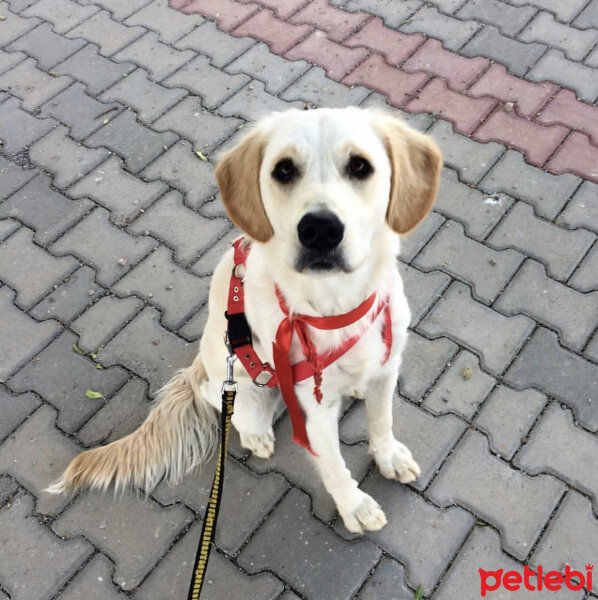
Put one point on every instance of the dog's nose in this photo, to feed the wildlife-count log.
(320, 230)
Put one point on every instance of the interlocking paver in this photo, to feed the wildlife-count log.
(545, 365)
(417, 238)
(509, 19)
(338, 24)
(8, 227)
(546, 192)
(39, 562)
(14, 25)
(123, 194)
(14, 409)
(150, 529)
(18, 6)
(13, 177)
(422, 289)
(67, 160)
(559, 249)
(96, 242)
(517, 505)
(227, 13)
(582, 210)
(63, 14)
(18, 128)
(136, 143)
(8, 489)
(577, 155)
(7, 61)
(505, 435)
(208, 261)
(392, 14)
(565, 11)
(585, 277)
(120, 10)
(387, 581)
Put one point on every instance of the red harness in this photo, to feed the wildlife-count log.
(286, 375)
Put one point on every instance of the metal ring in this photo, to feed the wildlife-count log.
(264, 384)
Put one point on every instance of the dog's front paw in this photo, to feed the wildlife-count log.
(365, 516)
(396, 462)
(260, 444)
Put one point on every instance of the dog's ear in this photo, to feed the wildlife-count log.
(238, 176)
(416, 163)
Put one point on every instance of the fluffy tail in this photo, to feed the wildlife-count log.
(179, 433)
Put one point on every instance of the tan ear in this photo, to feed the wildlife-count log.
(416, 163)
(238, 176)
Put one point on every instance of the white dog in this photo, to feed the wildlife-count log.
(321, 196)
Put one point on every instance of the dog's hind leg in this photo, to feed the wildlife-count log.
(179, 433)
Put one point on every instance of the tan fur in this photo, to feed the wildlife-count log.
(237, 174)
(179, 433)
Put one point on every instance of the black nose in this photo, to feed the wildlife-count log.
(320, 230)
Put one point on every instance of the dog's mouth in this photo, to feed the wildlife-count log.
(310, 260)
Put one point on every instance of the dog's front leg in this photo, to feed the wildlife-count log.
(393, 458)
(359, 511)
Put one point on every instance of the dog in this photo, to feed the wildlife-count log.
(322, 197)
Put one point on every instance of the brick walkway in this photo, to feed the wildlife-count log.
(102, 105)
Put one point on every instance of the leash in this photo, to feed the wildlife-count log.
(208, 531)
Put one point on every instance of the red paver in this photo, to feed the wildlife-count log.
(459, 71)
(496, 82)
(279, 35)
(283, 9)
(178, 4)
(577, 156)
(229, 14)
(537, 142)
(338, 24)
(566, 109)
(375, 73)
(336, 59)
(465, 113)
(395, 45)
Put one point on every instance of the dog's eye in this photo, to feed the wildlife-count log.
(284, 170)
(359, 167)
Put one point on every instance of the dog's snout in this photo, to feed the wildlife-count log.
(320, 230)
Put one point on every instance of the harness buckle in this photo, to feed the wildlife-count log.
(238, 332)
(267, 369)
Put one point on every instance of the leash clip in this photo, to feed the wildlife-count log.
(229, 384)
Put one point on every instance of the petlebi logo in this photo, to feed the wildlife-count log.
(537, 580)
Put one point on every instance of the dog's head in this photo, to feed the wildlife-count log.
(323, 184)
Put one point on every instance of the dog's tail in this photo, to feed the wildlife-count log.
(179, 433)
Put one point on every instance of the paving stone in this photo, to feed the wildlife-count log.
(61, 376)
(133, 523)
(92, 69)
(170, 580)
(35, 455)
(507, 416)
(591, 350)
(509, 19)
(429, 438)
(453, 33)
(63, 14)
(8, 227)
(421, 289)
(203, 128)
(543, 364)
(39, 562)
(305, 561)
(419, 535)
(170, 24)
(565, 11)
(421, 121)
(559, 249)
(44, 210)
(180, 167)
(517, 505)
(483, 551)
(292, 461)
(577, 155)
(531, 292)
(18, 6)
(158, 59)
(387, 581)
(587, 17)
(163, 221)
(393, 15)
(208, 40)
(486, 270)
(42, 272)
(213, 208)
(118, 9)
(208, 261)
(422, 363)
(110, 35)
(31, 85)
(70, 298)
(477, 212)
(15, 25)
(8, 489)
(148, 349)
(123, 194)
(75, 109)
(461, 389)
(592, 58)
(317, 89)
(460, 317)
(546, 192)
(147, 98)
(13, 177)
(67, 160)
(18, 128)
(14, 409)
(9, 60)
(517, 56)
(470, 159)
(570, 537)
(94, 581)
(417, 238)
(138, 144)
(45, 46)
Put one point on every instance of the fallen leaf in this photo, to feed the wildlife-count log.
(93, 395)
(78, 350)
(201, 156)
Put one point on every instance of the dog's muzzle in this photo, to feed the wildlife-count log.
(320, 234)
